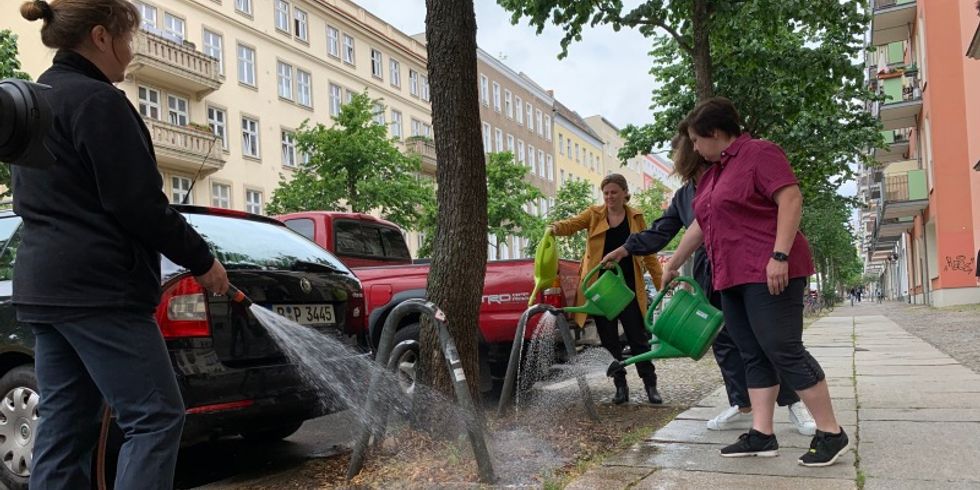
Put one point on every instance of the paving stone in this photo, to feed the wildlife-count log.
(921, 414)
(916, 399)
(886, 484)
(695, 432)
(698, 480)
(921, 450)
(609, 477)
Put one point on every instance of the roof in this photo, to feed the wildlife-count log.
(576, 120)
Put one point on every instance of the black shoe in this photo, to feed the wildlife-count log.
(622, 395)
(653, 395)
(825, 448)
(752, 443)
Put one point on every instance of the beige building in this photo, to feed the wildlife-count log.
(579, 150)
(612, 143)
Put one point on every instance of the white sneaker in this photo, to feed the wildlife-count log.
(731, 419)
(800, 417)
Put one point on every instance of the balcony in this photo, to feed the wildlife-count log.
(898, 146)
(175, 65)
(185, 149)
(426, 149)
(903, 101)
(892, 21)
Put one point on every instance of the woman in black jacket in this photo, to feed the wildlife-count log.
(87, 277)
(689, 165)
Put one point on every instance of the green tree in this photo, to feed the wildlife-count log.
(652, 202)
(354, 166)
(508, 194)
(9, 68)
(572, 199)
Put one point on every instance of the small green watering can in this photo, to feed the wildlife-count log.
(545, 265)
(608, 296)
(686, 328)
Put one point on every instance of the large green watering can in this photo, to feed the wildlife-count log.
(608, 296)
(686, 327)
(545, 265)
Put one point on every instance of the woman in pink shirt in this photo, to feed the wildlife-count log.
(747, 208)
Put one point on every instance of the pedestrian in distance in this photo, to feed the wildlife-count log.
(747, 214)
(608, 225)
(87, 276)
(680, 214)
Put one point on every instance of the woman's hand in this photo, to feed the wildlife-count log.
(215, 279)
(669, 275)
(614, 257)
(777, 276)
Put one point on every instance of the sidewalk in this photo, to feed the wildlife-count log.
(911, 411)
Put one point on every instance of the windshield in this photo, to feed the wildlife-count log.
(245, 244)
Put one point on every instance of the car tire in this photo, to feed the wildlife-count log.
(406, 351)
(18, 425)
(273, 434)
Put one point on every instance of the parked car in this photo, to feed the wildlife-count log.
(376, 251)
(233, 377)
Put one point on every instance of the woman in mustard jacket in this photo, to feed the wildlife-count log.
(608, 226)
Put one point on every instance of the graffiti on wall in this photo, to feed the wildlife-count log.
(960, 263)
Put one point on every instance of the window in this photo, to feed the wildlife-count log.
(562, 172)
(413, 82)
(394, 73)
(396, 124)
(496, 96)
(530, 117)
(148, 16)
(181, 187)
(484, 90)
(541, 169)
(487, 147)
(336, 94)
(577, 159)
(246, 65)
(300, 24)
(253, 201)
(173, 27)
(417, 129)
(288, 149)
(568, 147)
(348, 95)
(333, 42)
(217, 121)
(149, 100)
(348, 49)
(250, 137)
(425, 88)
(508, 104)
(377, 64)
(303, 226)
(498, 140)
(284, 75)
(379, 114)
(214, 46)
(177, 110)
(547, 128)
(518, 111)
(561, 143)
(531, 159)
(244, 6)
(304, 83)
(220, 195)
(510, 143)
(282, 15)
(520, 151)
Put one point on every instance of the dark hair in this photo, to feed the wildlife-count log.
(67, 23)
(688, 164)
(716, 113)
(618, 180)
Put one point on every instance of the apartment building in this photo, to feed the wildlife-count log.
(657, 167)
(612, 142)
(223, 86)
(921, 222)
(578, 150)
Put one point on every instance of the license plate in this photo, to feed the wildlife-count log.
(307, 314)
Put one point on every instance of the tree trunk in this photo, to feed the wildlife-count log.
(704, 82)
(460, 247)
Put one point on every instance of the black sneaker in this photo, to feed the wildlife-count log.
(752, 443)
(825, 448)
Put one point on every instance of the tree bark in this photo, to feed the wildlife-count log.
(460, 252)
(703, 80)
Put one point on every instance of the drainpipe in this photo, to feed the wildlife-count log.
(925, 263)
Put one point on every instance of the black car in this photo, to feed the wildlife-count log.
(233, 377)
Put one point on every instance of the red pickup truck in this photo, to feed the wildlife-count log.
(376, 251)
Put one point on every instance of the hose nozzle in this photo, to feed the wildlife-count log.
(238, 296)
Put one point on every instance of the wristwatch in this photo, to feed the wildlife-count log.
(781, 257)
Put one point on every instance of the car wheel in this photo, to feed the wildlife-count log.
(405, 356)
(18, 425)
(273, 434)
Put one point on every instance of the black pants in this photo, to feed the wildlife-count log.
(729, 360)
(636, 334)
(768, 331)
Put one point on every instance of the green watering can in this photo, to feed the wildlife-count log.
(686, 328)
(608, 296)
(545, 265)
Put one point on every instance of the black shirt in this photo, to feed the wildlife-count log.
(615, 238)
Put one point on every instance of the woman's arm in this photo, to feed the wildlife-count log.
(572, 225)
(693, 238)
(789, 199)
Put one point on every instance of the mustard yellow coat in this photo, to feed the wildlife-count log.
(594, 220)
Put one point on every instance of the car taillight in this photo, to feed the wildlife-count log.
(183, 310)
(553, 297)
(356, 314)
